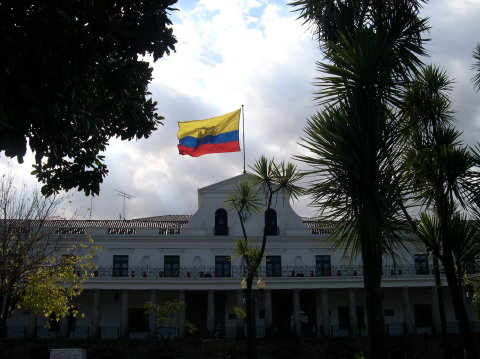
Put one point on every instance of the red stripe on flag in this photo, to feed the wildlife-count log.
(209, 148)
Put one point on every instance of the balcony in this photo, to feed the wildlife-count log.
(332, 331)
(239, 272)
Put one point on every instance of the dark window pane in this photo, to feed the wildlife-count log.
(54, 323)
(223, 266)
(360, 317)
(421, 263)
(171, 266)
(271, 228)
(343, 318)
(137, 320)
(423, 315)
(323, 266)
(274, 266)
(120, 266)
(221, 222)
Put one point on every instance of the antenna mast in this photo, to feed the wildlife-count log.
(124, 195)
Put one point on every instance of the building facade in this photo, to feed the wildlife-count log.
(311, 290)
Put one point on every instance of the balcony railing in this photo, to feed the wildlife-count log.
(239, 272)
(335, 331)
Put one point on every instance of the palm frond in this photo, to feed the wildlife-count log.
(429, 233)
(465, 242)
(244, 198)
(271, 177)
(476, 67)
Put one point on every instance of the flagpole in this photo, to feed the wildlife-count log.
(243, 124)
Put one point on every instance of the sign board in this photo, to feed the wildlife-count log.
(70, 353)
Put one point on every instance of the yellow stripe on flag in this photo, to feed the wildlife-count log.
(212, 126)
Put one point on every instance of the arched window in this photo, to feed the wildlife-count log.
(271, 228)
(146, 264)
(221, 222)
(197, 261)
(146, 261)
(298, 261)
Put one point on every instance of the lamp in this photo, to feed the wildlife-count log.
(469, 291)
(243, 283)
(260, 283)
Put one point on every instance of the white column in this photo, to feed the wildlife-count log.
(152, 325)
(352, 312)
(407, 311)
(181, 316)
(435, 310)
(318, 312)
(95, 329)
(268, 312)
(124, 313)
(211, 313)
(297, 324)
(240, 322)
(325, 316)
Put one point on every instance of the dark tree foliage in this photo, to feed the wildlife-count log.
(371, 49)
(71, 79)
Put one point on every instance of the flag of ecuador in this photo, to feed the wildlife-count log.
(214, 135)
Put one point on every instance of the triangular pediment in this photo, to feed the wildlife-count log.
(226, 185)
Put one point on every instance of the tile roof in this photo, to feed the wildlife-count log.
(318, 226)
(168, 221)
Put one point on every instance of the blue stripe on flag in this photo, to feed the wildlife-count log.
(193, 142)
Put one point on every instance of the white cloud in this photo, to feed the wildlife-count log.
(255, 53)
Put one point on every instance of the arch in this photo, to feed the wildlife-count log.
(146, 261)
(146, 271)
(221, 222)
(298, 261)
(197, 261)
(271, 228)
(95, 260)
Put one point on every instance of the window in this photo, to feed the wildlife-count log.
(223, 266)
(421, 263)
(171, 266)
(398, 354)
(344, 317)
(221, 222)
(137, 320)
(423, 315)
(389, 312)
(72, 320)
(360, 317)
(271, 228)
(323, 266)
(274, 266)
(120, 266)
(53, 323)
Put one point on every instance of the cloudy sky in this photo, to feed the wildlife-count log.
(253, 53)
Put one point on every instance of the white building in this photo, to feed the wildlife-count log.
(311, 289)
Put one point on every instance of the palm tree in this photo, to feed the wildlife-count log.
(476, 67)
(370, 50)
(439, 174)
(267, 181)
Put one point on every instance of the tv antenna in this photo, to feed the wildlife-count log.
(125, 196)
(91, 207)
